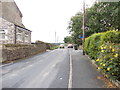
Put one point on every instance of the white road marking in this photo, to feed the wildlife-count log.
(70, 75)
(61, 78)
(53, 65)
(45, 74)
(12, 75)
(30, 65)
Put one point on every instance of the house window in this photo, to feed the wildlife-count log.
(19, 36)
(2, 34)
(26, 37)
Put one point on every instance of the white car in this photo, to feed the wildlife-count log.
(70, 46)
(61, 46)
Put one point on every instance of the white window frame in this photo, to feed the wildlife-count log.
(2, 31)
(19, 33)
(26, 38)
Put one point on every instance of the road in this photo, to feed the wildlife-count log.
(51, 70)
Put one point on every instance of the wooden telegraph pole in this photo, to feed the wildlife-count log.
(55, 36)
(83, 38)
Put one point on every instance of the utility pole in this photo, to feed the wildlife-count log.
(83, 38)
(55, 36)
(57, 39)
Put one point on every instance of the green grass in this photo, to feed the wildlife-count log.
(53, 47)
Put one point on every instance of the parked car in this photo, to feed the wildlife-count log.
(75, 47)
(61, 46)
(70, 46)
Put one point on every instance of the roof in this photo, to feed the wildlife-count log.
(23, 28)
(18, 9)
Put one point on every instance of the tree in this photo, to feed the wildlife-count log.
(75, 28)
(68, 39)
(101, 17)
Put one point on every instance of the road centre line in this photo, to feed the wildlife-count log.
(70, 75)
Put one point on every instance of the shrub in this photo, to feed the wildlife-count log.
(93, 43)
(109, 60)
(111, 37)
(104, 48)
(53, 47)
(38, 42)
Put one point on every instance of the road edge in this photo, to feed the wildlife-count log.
(70, 74)
(6, 64)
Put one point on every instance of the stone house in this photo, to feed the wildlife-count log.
(12, 31)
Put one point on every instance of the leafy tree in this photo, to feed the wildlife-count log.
(75, 28)
(68, 39)
(101, 17)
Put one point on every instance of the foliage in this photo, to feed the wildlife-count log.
(91, 45)
(104, 48)
(39, 42)
(93, 42)
(68, 39)
(75, 28)
(53, 47)
(109, 60)
(111, 36)
(101, 17)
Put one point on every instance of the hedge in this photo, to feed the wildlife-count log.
(104, 49)
(92, 44)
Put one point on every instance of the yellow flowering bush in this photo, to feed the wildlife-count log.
(104, 64)
(104, 49)
(108, 69)
(116, 55)
(109, 60)
(113, 50)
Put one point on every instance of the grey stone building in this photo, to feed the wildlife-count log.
(12, 31)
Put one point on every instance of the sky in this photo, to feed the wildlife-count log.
(45, 17)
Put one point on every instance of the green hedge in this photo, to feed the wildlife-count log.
(53, 47)
(104, 49)
(111, 37)
(93, 43)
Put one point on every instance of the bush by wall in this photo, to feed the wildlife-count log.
(104, 48)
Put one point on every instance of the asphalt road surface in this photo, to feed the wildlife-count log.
(50, 70)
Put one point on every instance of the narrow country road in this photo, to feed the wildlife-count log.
(52, 70)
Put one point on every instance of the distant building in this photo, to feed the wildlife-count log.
(12, 31)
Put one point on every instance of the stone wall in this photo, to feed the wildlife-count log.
(11, 53)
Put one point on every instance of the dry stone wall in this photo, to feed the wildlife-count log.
(15, 53)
